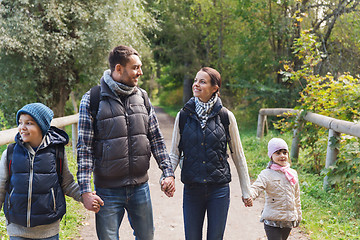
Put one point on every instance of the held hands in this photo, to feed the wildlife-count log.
(247, 201)
(168, 186)
(92, 201)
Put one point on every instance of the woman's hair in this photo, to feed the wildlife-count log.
(215, 76)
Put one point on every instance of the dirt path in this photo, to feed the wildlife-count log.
(242, 224)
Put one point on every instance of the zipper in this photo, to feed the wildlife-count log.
(53, 196)
(31, 177)
(128, 140)
(11, 193)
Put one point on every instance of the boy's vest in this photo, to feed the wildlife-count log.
(121, 146)
(205, 151)
(34, 194)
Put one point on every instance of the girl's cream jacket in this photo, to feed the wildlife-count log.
(282, 199)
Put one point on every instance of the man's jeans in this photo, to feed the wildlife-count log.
(136, 201)
(56, 237)
(210, 198)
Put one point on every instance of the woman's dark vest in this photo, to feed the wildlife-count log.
(205, 156)
(35, 196)
(121, 146)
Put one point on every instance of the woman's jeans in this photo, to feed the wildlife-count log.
(276, 233)
(210, 198)
(56, 237)
(136, 201)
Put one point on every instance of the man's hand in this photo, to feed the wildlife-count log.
(168, 186)
(92, 201)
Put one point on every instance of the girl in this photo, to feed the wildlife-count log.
(282, 210)
(200, 136)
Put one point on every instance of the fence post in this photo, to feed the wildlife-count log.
(261, 125)
(331, 153)
(74, 138)
(294, 152)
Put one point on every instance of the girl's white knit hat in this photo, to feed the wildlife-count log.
(275, 144)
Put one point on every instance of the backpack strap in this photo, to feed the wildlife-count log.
(9, 155)
(182, 120)
(94, 102)
(60, 152)
(224, 118)
(183, 115)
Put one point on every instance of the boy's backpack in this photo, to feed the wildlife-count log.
(224, 118)
(59, 160)
(95, 100)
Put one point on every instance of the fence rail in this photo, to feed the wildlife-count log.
(335, 126)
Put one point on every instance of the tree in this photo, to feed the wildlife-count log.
(192, 34)
(52, 47)
(174, 45)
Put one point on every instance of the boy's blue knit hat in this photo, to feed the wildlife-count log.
(40, 113)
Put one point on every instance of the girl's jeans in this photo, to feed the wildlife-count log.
(56, 237)
(199, 199)
(136, 201)
(276, 233)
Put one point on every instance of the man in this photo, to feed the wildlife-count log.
(116, 146)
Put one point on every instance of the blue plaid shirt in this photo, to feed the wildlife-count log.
(85, 141)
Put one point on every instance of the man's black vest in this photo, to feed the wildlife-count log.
(205, 156)
(121, 146)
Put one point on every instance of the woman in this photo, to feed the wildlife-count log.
(200, 138)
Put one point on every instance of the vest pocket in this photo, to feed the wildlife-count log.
(138, 108)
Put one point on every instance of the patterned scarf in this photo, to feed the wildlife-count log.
(116, 87)
(290, 174)
(203, 109)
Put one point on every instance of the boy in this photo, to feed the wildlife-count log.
(30, 186)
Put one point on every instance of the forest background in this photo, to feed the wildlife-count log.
(270, 53)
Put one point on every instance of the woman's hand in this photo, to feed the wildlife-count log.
(247, 201)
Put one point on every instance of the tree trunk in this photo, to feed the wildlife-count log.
(59, 98)
(73, 100)
(187, 84)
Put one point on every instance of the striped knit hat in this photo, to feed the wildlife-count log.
(40, 113)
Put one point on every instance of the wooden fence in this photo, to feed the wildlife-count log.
(335, 126)
(8, 136)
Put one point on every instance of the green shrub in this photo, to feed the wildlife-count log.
(172, 97)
